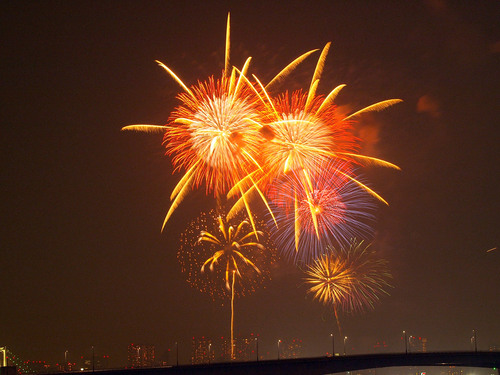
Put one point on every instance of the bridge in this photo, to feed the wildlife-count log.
(325, 365)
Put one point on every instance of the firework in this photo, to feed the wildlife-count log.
(223, 259)
(339, 209)
(211, 248)
(217, 139)
(352, 278)
(214, 135)
(304, 132)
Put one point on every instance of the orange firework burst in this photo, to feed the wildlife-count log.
(230, 135)
(353, 278)
(304, 132)
(301, 140)
(215, 134)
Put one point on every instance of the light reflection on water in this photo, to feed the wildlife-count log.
(425, 370)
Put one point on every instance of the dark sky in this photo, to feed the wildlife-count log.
(83, 261)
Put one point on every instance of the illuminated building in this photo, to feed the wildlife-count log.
(381, 347)
(36, 367)
(140, 356)
(291, 348)
(202, 350)
(68, 366)
(418, 344)
(225, 349)
(99, 362)
(452, 370)
(205, 350)
(245, 348)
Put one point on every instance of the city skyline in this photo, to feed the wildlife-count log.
(85, 263)
(206, 350)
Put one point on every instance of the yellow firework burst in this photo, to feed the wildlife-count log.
(212, 248)
(225, 259)
(352, 278)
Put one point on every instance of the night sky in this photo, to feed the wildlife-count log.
(83, 258)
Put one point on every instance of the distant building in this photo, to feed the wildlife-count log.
(67, 366)
(140, 356)
(206, 349)
(418, 344)
(291, 348)
(35, 367)
(168, 358)
(494, 348)
(223, 351)
(89, 363)
(202, 350)
(452, 370)
(381, 347)
(245, 348)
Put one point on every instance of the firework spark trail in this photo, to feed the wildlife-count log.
(230, 246)
(216, 246)
(337, 207)
(212, 135)
(296, 153)
(299, 142)
(303, 129)
(303, 132)
(351, 279)
(224, 259)
(217, 132)
(230, 135)
(215, 135)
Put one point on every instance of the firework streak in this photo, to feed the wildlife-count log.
(235, 138)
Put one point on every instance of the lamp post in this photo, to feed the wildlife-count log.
(66, 360)
(345, 339)
(409, 343)
(257, 347)
(176, 354)
(474, 338)
(406, 342)
(209, 351)
(279, 341)
(333, 344)
(93, 359)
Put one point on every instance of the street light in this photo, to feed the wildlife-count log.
(345, 339)
(93, 359)
(257, 347)
(209, 351)
(279, 341)
(409, 343)
(176, 354)
(333, 344)
(474, 338)
(406, 342)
